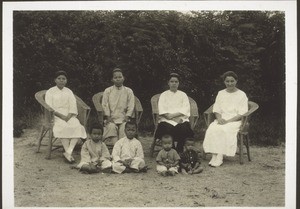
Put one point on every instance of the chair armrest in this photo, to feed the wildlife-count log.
(209, 116)
(42, 102)
(82, 104)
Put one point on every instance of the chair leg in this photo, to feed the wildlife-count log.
(241, 139)
(204, 155)
(50, 144)
(42, 134)
(152, 147)
(247, 146)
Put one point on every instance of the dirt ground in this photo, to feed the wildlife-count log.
(42, 183)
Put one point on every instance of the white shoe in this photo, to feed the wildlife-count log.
(213, 159)
(217, 164)
(219, 161)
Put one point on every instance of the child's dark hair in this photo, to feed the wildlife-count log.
(95, 126)
(167, 136)
(189, 140)
(130, 123)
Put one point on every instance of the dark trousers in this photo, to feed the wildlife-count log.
(179, 133)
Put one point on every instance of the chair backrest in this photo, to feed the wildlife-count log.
(82, 108)
(97, 100)
(194, 115)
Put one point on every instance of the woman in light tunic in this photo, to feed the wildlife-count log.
(221, 136)
(66, 126)
(174, 113)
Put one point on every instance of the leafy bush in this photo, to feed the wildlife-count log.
(147, 45)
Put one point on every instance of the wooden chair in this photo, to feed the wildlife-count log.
(194, 117)
(48, 120)
(243, 134)
(97, 100)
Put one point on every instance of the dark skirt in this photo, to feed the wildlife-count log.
(179, 133)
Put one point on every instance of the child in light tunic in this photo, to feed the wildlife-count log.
(167, 158)
(128, 152)
(95, 156)
(118, 106)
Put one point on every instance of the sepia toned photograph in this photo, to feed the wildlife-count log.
(150, 107)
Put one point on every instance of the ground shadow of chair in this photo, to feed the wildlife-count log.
(48, 120)
(243, 134)
(97, 100)
(194, 117)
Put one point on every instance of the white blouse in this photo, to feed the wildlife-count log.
(230, 105)
(173, 102)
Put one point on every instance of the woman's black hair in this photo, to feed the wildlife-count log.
(117, 70)
(95, 126)
(229, 73)
(176, 75)
(60, 72)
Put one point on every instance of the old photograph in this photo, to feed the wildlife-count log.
(149, 106)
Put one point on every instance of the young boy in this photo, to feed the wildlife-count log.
(95, 156)
(128, 154)
(118, 106)
(190, 162)
(168, 158)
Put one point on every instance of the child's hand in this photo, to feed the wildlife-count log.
(127, 162)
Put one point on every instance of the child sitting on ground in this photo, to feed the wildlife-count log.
(168, 158)
(95, 156)
(128, 154)
(118, 106)
(190, 162)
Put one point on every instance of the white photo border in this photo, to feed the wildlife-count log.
(289, 7)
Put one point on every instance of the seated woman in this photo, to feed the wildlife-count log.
(66, 126)
(174, 112)
(221, 136)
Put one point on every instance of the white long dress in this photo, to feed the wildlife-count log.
(222, 139)
(64, 102)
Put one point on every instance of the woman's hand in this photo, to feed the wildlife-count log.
(68, 117)
(127, 118)
(168, 116)
(177, 120)
(107, 120)
(221, 121)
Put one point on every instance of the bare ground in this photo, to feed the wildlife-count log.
(40, 182)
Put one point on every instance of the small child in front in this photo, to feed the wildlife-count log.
(128, 154)
(95, 156)
(168, 158)
(190, 162)
(118, 106)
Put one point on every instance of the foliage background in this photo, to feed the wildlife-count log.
(148, 45)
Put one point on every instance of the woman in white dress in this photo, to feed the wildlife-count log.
(221, 136)
(174, 113)
(66, 126)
